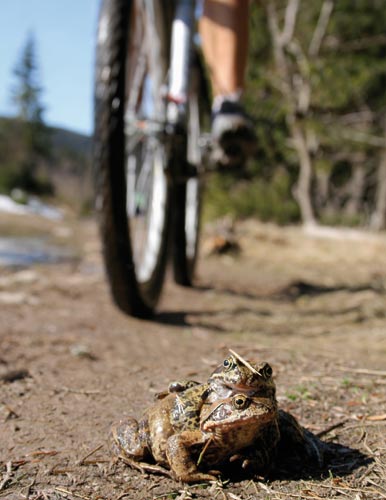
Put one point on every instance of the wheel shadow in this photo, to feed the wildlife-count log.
(289, 293)
(185, 318)
(293, 290)
(181, 319)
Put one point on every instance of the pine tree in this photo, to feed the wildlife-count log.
(34, 145)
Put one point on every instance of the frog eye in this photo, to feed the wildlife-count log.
(240, 402)
(228, 363)
(267, 371)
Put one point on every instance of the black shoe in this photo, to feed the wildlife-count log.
(233, 135)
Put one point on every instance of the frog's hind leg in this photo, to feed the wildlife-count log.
(127, 440)
(130, 445)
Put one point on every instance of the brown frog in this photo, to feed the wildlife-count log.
(225, 428)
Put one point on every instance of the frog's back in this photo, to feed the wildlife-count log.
(185, 414)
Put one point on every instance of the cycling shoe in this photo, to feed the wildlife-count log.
(233, 135)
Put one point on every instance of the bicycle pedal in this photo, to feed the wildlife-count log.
(226, 161)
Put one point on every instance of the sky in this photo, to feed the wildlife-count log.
(64, 33)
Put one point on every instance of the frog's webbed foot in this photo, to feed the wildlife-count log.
(145, 467)
(126, 440)
(254, 461)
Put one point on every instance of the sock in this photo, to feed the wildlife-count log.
(219, 99)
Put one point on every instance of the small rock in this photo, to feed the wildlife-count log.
(13, 298)
(82, 351)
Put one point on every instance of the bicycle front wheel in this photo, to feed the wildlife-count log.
(132, 192)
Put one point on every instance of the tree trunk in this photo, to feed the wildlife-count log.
(357, 184)
(302, 190)
(378, 217)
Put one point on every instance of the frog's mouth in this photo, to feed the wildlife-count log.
(242, 388)
(217, 423)
(225, 417)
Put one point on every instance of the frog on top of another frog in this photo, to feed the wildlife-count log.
(187, 405)
(232, 419)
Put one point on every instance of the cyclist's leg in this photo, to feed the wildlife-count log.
(224, 32)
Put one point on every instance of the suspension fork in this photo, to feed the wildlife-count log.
(180, 60)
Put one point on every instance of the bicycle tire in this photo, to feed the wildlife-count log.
(187, 196)
(132, 193)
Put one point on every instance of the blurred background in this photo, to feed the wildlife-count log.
(46, 75)
(316, 88)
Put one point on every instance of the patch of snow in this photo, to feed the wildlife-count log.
(8, 205)
(33, 207)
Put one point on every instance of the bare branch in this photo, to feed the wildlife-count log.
(333, 43)
(363, 138)
(279, 56)
(273, 25)
(321, 27)
(291, 13)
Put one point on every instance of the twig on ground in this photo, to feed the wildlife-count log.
(287, 494)
(81, 462)
(66, 492)
(345, 487)
(11, 412)
(30, 485)
(77, 391)
(364, 371)
(38, 453)
(125, 494)
(376, 418)
(331, 428)
(7, 475)
(377, 486)
(365, 423)
(55, 471)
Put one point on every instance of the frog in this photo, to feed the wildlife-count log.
(174, 429)
(179, 409)
(225, 427)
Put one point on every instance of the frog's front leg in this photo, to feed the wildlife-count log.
(181, 460)
(260, 456)
(128, 439)
(181, 385)
(177, 386)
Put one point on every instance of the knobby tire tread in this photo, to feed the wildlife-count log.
(109, 163)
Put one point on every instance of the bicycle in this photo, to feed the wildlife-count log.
(151, 113)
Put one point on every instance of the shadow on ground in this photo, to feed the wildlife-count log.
(339, 461)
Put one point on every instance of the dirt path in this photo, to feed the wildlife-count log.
(315, 308)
